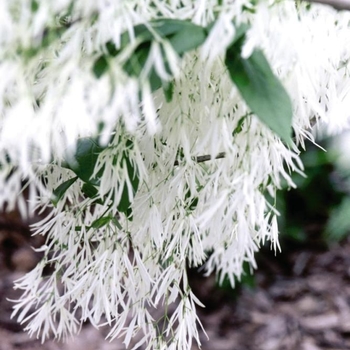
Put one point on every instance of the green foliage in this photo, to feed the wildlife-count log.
(168, 91)
(89, 190)
(83, 163)
(338, 225)
(313, 215)
(183, 36)
(137, 61)
(260, 88)
(314, 212)
(34, 6)
(247, 280)
(59, 192)
(105, 220)
(84, 160)
(240, 124)
(253, 76)
(125, 201)
(100, 66)
(186, 37)
(190, 200)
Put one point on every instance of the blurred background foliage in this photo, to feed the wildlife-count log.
(318, 211)
(315, 215)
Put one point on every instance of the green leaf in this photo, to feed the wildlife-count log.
(125, 202)
(191, 33)
(135, 64)
(89, 190)
(168, 90)
(241, 30)
(100, 222)
(34, 6)
(169, 26)
(111, 48)
(155, 81)
(239, 126)
(184, 36)
(105, 220)
(188, 38)
(62, 189)
(164, 27)
(84, 160)
(141, 32)
(116, 223)
(261, 89)
(100, 66)
(338, 225)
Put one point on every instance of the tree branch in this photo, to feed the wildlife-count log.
(205, 158)
(337, 4)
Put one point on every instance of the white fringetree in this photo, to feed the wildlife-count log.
(150, 132)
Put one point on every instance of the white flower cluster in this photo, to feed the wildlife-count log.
(195, 169)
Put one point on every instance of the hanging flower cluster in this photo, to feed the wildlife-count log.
(150, 133)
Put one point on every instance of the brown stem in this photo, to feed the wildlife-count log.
(337, 4)
(205, 158)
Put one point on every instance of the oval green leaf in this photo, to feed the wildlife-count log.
(261, 90)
